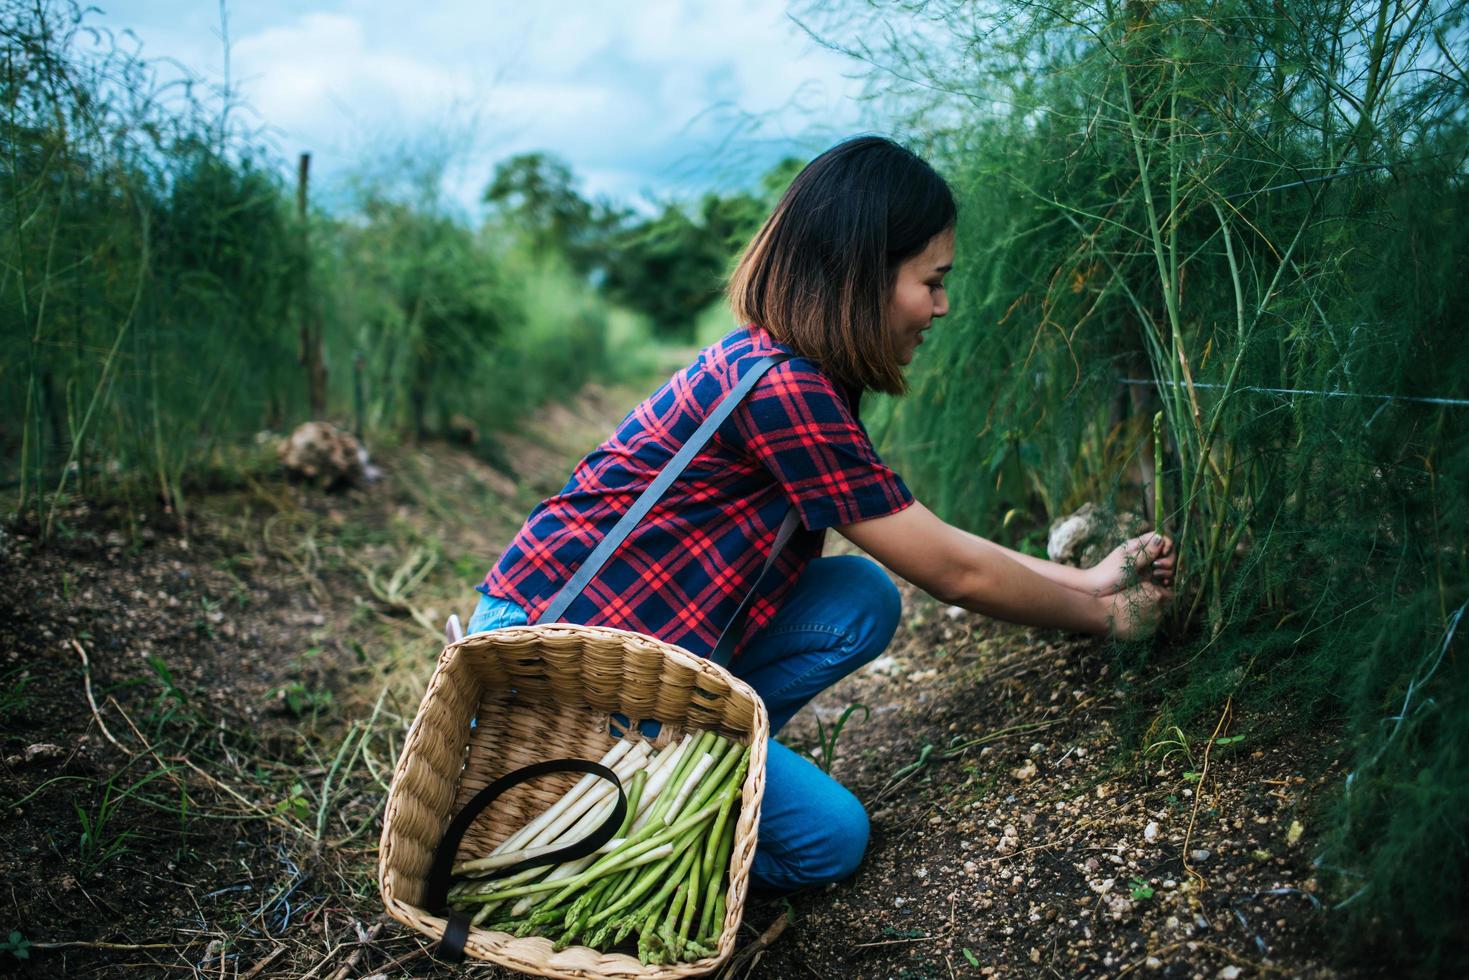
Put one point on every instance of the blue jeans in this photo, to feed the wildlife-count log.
(837, 617)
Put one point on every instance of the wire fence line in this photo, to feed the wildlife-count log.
(1423, 399)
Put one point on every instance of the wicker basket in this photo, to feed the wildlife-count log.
(539, 693)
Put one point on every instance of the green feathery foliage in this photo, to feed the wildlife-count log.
(156, 279)
(1252, 217)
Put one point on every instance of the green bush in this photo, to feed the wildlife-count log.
(159, 282)
(1254, 220)
(134, 224)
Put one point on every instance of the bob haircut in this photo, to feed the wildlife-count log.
(820, 272)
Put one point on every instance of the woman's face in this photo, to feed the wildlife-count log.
(918, 294)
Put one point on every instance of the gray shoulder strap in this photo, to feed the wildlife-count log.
(671, 472)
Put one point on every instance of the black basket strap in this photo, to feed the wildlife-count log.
(436, 894)
(724, 649)
(671, 472)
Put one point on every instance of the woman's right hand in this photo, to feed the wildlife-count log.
(1134, 613)
(962, 569)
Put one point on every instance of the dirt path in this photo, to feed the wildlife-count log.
(1013, 837)
(198, 732)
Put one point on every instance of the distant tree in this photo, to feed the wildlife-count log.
(672, 266)
(773, 182)
(668, 267)
(536, 195)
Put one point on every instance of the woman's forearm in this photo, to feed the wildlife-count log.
(1071, 578)
(995, 584)
(966, 570)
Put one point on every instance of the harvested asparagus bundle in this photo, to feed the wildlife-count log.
(660, 880)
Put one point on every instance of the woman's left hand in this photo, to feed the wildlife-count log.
(1148, 557)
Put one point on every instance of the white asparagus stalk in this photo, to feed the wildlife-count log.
(599, 812)
(562, 815)
(657, 783)
(509, 857)
(521, 836)
(648, 857)
(666, 757)
(512, 857)
(659, 773)
(590, 800)
(529, 902)
(706, 761)
(564, 870)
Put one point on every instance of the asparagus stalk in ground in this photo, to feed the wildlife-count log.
(1158, 473)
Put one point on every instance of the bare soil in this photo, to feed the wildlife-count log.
(197, 730)
(1030, 842)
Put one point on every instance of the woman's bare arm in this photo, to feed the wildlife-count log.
(964, 569)
(1112, 574)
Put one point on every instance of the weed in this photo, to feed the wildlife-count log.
(467, 567)
(969, 955)
(295, 803)
(826, 740)
(229, 566)
(1141, 891)
(17, 945)
(1302, 426)
(299, 700)
(101, 838)
(1169, 747)
(14, 696)
(980, 785)
(143, 190)
(208, 615)
(171, 704)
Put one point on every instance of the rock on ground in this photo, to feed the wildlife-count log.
(324, 454)
(1085, 537)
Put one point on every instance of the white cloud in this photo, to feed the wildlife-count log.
(630, 94)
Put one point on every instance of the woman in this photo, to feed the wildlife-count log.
(845, 276)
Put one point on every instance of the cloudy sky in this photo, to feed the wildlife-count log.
(646, 99)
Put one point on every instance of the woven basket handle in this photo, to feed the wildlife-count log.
(436, 894)
(724, 649)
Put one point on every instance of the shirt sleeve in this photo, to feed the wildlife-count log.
(800, 428)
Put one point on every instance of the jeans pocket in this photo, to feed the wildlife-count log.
(493, 613)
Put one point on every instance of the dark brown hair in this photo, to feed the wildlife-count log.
(820, 272)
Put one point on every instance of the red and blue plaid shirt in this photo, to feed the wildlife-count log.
(681, 573)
